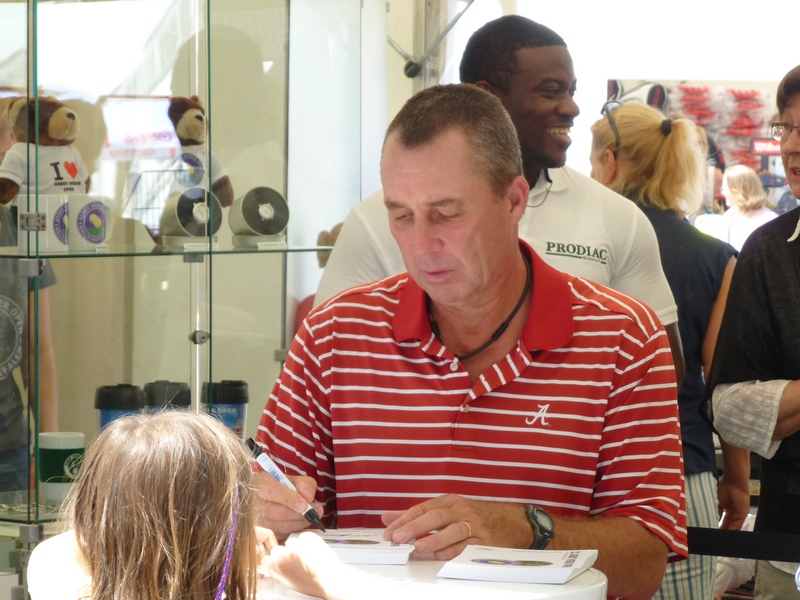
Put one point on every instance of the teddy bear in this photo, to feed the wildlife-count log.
(61, 168)
(188, 118)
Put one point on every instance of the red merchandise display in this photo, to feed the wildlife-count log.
(735, 115)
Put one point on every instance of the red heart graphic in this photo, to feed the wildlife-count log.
(71, 168)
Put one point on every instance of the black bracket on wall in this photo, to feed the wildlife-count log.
(412, 68)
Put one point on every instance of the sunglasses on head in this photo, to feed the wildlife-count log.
(606, 111)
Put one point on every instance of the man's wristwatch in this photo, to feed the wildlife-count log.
(544, 528)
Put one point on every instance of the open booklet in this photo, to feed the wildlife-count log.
(486, 563)
(365, 547)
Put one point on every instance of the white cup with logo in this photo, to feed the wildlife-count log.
(89, 223)
(54, 239)
(60, 456)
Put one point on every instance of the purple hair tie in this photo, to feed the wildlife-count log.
(226, 566)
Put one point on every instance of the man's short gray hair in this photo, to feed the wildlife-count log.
(491, 135)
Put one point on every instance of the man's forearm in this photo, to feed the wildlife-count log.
(633, 559)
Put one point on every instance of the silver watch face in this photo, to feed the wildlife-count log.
(543, 526)
(544, 518)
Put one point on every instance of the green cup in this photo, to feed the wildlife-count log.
(60, 455)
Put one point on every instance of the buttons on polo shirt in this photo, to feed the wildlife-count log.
(465, 408)
(454, 365)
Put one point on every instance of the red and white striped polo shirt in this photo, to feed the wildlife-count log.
(581, 417)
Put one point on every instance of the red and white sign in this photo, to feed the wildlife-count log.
(765, 147)
(138, 128)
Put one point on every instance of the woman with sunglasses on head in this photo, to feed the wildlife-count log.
(163, 510)
(657, 163)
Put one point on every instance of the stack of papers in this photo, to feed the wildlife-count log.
(365, 547)
(486, 563)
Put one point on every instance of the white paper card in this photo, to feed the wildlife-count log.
(486, 563)
(365, 547)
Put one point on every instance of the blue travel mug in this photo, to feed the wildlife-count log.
(227, 401)
(162, 394)
(115, 401)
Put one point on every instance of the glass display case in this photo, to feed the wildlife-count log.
(151, 243)
(152, 235)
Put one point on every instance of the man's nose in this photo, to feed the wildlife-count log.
(569, 107)
(426, 237)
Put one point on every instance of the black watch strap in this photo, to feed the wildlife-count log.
(542, 524)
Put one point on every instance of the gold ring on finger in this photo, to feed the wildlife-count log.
(469, 529)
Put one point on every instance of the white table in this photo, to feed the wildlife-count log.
(589, 585)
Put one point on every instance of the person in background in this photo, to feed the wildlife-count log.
(716, 159)
(324, 238)
(327, 238)
(17, 316)
(752, 394)
(483, 396)
(747, 205)
(658, 164)
(715, 165)
(573, 223)
(17, 349)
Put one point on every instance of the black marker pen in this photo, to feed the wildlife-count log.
(266, 463)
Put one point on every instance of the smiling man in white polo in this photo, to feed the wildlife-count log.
(574, 223)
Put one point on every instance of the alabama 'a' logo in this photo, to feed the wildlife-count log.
(539, 417)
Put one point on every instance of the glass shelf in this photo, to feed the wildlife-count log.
(15, 507)
(132, 250)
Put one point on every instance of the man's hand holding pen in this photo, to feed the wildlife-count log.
(457, 522)
(299, 499)
(282, 509)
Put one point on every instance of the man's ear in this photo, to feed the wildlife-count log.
(486, 86)
(517, 194)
